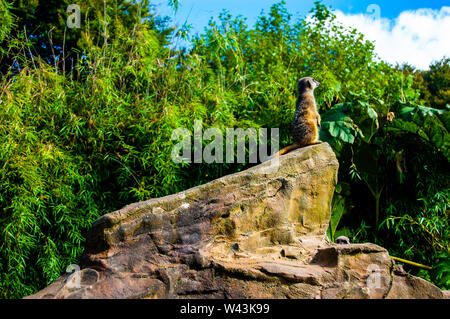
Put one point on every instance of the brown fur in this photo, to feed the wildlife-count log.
(306, 119)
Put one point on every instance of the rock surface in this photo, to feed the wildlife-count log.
(260, 233)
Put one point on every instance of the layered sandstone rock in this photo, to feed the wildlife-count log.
(260, 233)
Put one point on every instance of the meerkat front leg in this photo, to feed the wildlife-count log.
(319, 125)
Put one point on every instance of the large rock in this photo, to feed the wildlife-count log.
(260, 233)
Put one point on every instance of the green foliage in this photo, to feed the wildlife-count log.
(441, 271)
(433, 84)
(87, 116)
(438, 82)
(6, 20)
(431, 124)
(339, 207)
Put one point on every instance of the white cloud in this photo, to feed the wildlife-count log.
(418, 37)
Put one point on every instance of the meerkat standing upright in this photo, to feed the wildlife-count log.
(306, 118)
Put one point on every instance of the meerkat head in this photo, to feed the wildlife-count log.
(307, 84)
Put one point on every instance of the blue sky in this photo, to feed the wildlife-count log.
(198, 12)
(411, 31)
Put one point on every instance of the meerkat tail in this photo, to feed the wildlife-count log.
(285, 150)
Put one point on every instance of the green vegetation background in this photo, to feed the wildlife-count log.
(86, 117)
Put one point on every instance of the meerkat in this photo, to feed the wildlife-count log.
(306, 118)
